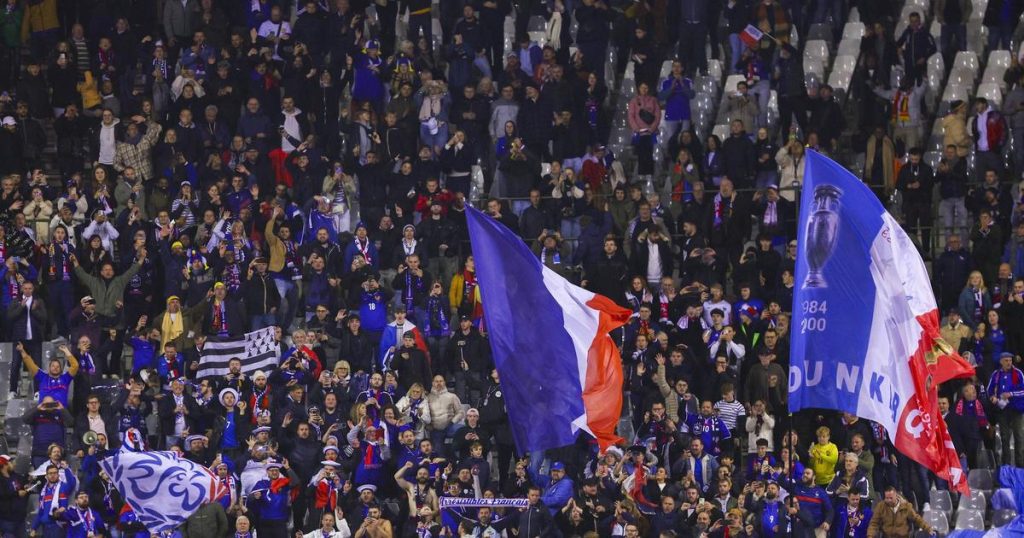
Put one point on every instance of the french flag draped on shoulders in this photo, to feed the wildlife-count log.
(560, 370)
(866, 326)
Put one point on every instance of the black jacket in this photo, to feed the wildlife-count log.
(260, 294)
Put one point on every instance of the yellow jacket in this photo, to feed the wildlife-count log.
(823, 461)
(90, 92)
(276, 247)
(455, 291)
(39, 17)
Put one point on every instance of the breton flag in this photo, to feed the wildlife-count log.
(751, 36)
(560, 370)
(162, 489)
(866, 326)
(257, 350)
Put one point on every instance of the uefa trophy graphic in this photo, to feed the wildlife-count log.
(822, 233)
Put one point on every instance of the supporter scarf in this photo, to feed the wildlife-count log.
(13, 290)
(437, 318)
(901, 107)
(258, 401)
(663, 301)
(64, 248)
(3, 251)
(220, 318)
(979, 411)
(88, 365)
(279, 484)
(409, 248)
(556, 258)
(51, 495)
(171, 327)
(85, 516)
(243, 535)
(363, 245)
(771, 216)
(179, 400)
(232, 277)
(719, 208)
(468, 287)
(369, 461)
(292, 259)
(411, 285)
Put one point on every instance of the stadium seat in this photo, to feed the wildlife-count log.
(853, 30)
(954, 92)
(730, 83)
(932, 158)
(715, 69)
(966, 59)
(992, 92)
(937, 520)
(817, 49)
(970, 520)
(721, 131)
(976, 501)
(981, 479)
(1002, 517)
(940, 499)
(850, 47)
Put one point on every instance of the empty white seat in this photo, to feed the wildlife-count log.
(813, 67)
(1000, 58)
(978, 12)
(975, 501)
(966, 58)
(992, 92)
(845, 62)
(937, 520)
(932, 158)
(854, 28)
(854, 14)
(721, 131)
(816, 49)
(731, 82)
(980, 479)
(849, 47)
(939, 499)
(970, 519)
(715, 69)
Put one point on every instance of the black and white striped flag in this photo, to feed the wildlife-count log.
(257, 351)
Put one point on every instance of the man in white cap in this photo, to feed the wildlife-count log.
(197, 450)
(328, 491)
(272, 496)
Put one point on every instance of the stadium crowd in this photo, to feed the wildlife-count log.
(185, 171)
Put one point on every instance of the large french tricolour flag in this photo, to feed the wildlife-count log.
(560, 371)
(866, 326)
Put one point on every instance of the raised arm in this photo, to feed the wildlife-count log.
(30, 364)
(72, 360)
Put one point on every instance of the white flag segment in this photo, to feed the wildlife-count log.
(895, 331)
(162, 489)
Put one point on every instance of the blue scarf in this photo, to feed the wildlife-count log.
(436, 319)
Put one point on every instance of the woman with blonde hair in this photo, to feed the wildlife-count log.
(414, 410)
(974, 300)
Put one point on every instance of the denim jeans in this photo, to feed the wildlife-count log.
(262, 320)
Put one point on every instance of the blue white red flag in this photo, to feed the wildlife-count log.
(162, 489)
(559, 369)
(866, 326)
(751, 36)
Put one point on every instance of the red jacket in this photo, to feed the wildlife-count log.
(995, 126)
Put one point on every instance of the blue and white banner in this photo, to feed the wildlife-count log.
(865, 325)
(162, 489)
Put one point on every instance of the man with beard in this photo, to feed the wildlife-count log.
(420, 492)
(608, 276)
(812, 498)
